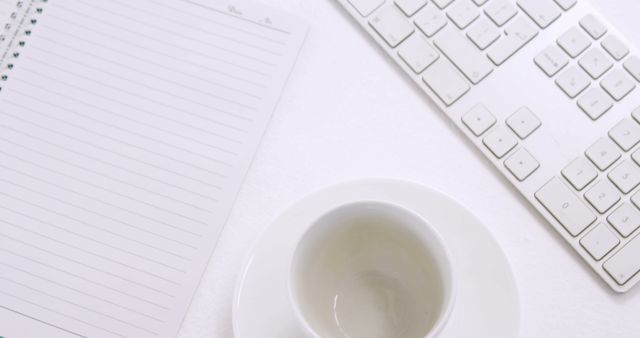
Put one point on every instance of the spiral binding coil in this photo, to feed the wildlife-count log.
(15, 33)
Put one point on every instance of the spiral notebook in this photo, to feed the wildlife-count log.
(126, 128)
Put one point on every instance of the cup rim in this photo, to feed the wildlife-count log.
(450, 295)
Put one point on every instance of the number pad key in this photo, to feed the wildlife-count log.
(579, 173)
(551, 60)
(625, 219)
(626, 134)
(599, 241)
(618, 84)
(573, 81)
(602, 196)
(500, 141)
(595, 102)
(616, 48)
(565, 207)
(596, 63)
(626, 176)
(603, 153)
(632, 65)
(521, 164)
(566, 4)
(574, 42)
(593, 26)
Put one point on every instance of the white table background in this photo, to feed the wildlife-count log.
(348, 113)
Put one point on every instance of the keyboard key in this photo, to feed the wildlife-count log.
(599, 241)
(392, 26)
(626, 176)
(417, 53)
(463, 13)
(543, 12)
(410, 7)
(518, 34)
(483, 33)
(480, 2)
(442, 4)
(430, 20)
(566, 4)
(616, 48)
(625, 219)
(626, 134)
(618, 84)
(632, 65)
(521, 164)
(603, 153)
(366, 7)
(602, 196)
(574, 42)
(445, 82)
(501, 11)
(595, 62)
(625, 264)
(595, 102)
(463, 54)
(478, 120)
(523, 122)
(565, 207)
(579, 173)
(593, 26)
(551, 60)
(636, 114)
(573, 81)
(500, 141)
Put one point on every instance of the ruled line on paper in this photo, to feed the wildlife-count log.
(61, 314)
(92, 172)
(42, 321)
(187, 37)
(198, 29)
(110, 150)
(208, 20)
(93, 132)
(239, 17)
(86, 294)
(94, 158)
(99, 242)
(107, 287)
(125, 133)
(146, 37)
(85, 223)
(79, 306)
(151, 274)
(49, 252)
(168, 119)
(174, 58)
(105, 203)
(91, 252)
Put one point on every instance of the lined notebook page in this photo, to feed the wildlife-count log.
(126, 128)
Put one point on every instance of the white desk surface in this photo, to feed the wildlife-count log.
(347, 113)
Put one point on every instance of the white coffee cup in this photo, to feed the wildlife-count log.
(371, 269)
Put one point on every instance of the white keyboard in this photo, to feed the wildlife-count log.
(546, 89)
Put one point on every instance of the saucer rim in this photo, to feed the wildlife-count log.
(366, 186)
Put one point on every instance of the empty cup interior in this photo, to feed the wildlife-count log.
(370, 270)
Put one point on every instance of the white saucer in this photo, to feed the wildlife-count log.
(487, 299)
